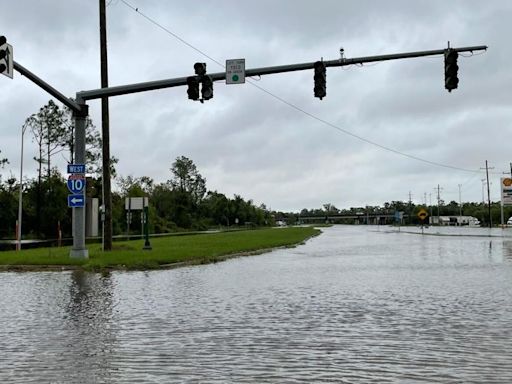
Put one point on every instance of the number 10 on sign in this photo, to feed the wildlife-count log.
(76, 183)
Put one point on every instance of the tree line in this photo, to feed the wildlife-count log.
(181, 203)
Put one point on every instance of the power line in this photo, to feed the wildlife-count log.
(152, 21)
(297, 108)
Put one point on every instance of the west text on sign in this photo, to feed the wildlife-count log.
(76, 168)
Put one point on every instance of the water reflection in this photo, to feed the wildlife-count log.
(507, 249)
(88, 331)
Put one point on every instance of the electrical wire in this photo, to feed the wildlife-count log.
(297, 108)
(152, 21)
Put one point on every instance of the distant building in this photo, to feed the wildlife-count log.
(455, 220)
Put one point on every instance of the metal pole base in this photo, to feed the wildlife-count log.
(147, 247)
(79, 253)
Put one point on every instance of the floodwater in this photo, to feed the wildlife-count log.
(358, 304)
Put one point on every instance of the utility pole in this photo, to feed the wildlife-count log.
(410, 205)
(430, 205)
(438, 202)
(488, 193)
(105, 135)
(460, 205)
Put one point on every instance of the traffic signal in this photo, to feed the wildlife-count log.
(193, 88)
(320, 79)
(200, 69)
(450, 69)
(3, 53)
(207, 87)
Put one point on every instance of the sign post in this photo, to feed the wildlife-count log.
(422, 214)
(139, 204)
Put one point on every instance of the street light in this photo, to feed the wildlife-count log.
(20, 203)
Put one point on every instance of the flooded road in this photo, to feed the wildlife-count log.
(358, 304)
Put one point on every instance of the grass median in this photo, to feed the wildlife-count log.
(166, 251)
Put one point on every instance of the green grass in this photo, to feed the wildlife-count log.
(193, 249)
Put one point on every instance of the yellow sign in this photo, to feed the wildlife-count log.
(422, 214)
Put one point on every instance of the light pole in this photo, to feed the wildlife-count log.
(20, 200)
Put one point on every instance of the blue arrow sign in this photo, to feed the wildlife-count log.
(76, 201)
(76, 168)
(76, 184)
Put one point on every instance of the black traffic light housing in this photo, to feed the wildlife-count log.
(200, 69)
(206, 87)
(320, 79)
(3, 53)
(451, 69)
(203, 79)
(193, 88)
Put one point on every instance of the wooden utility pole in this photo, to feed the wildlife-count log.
(488, 194)
(105, 134)
(489, 218)
(438, 203)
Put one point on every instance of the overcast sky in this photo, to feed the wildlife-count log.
(245, 140)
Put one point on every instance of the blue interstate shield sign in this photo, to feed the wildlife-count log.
(76, 183)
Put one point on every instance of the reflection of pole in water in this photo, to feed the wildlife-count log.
(90, 296)
(507, 249)
(88, 333)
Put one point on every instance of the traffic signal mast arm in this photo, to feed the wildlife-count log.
(70, 103)
(168, 83)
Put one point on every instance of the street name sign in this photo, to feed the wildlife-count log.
(235, 71)
(76, 183)
(76, 168)
(76, 201)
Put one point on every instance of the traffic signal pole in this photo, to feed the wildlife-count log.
(80, 109)
(78, 249)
